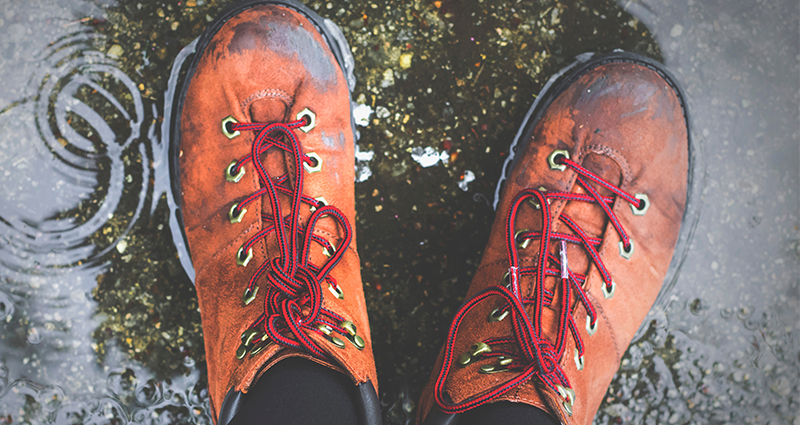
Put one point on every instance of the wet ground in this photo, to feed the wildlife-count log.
(99, 322)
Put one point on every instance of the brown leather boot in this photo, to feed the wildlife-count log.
(266, 185)
(587, 224)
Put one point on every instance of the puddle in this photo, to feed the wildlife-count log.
(98, 317)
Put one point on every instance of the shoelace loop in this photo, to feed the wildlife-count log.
(293, 302)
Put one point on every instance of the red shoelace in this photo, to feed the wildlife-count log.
(535, 355)
(293, 303)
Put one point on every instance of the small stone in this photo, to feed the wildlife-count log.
(115, 51)
(405, 60)
(122, 246)
(676, 31)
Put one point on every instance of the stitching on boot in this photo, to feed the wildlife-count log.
(223, 251)
(613, 154)
(267, 93)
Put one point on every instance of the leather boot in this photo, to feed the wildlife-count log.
(266, 177)
(591, 209)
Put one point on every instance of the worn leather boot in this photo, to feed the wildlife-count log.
(590, 213)
(265, 153)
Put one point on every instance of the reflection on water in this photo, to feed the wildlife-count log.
(99, 321)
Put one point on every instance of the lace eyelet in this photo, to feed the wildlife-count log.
(336, 291)
(525, 242)
(328, 332)
(476, 349)
(589, 328)
(241, 259)
(227, 127)
(608, 293)
(352, 336)
(229, 173)
(626, 253)
(317, 167)
(235, 215)
(579, 363)
(502, 361)
(321, 201)
(496, 316)
(568, 394)
(643, 210)
(249, 295)
(552, 160)
(311, 119)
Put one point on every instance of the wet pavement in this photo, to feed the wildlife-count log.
(99, 321)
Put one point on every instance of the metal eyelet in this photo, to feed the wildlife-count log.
(228, 132)
(321, 200)
(476, 349)
(229, 173)
(502, 361)
(552, 160)
(608, 293)
(624, 253)
(311, 169)
(356, 340)
(568, 394)
(260, 347)
(336, 291)
(312, 119)
(235, 215)
(579, 360)
(524, 244)
(641, 211)
(243, 261)
(241, 352)
(249, 295)
(589, 328)
(505, 279)
(327, 331)
(496, 316)
(329, 253)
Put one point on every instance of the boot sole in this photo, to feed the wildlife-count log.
(695, 177)
(181, 74)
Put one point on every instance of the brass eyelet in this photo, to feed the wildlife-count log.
(259, 347)
(243, 260)
(476, 349)
(496, 316)
(524, 244)
(641, 211)
(552, 160)
(589, 328)
(502, 361)
(328, 332)
(608, 293)
(228, 132)
(241, 352)
(235, 215)
(337, 291)
(312, 119)
(626, 253)
(568, 394)
(579, 362)
(311, 169)
(321, 200)
(352, 336)
(249, 295)
(229, 173)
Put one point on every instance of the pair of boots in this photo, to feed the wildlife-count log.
(590, 210)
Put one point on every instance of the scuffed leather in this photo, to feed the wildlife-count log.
(624, 122)
(264, 64)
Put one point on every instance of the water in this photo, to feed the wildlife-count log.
(99, 320)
